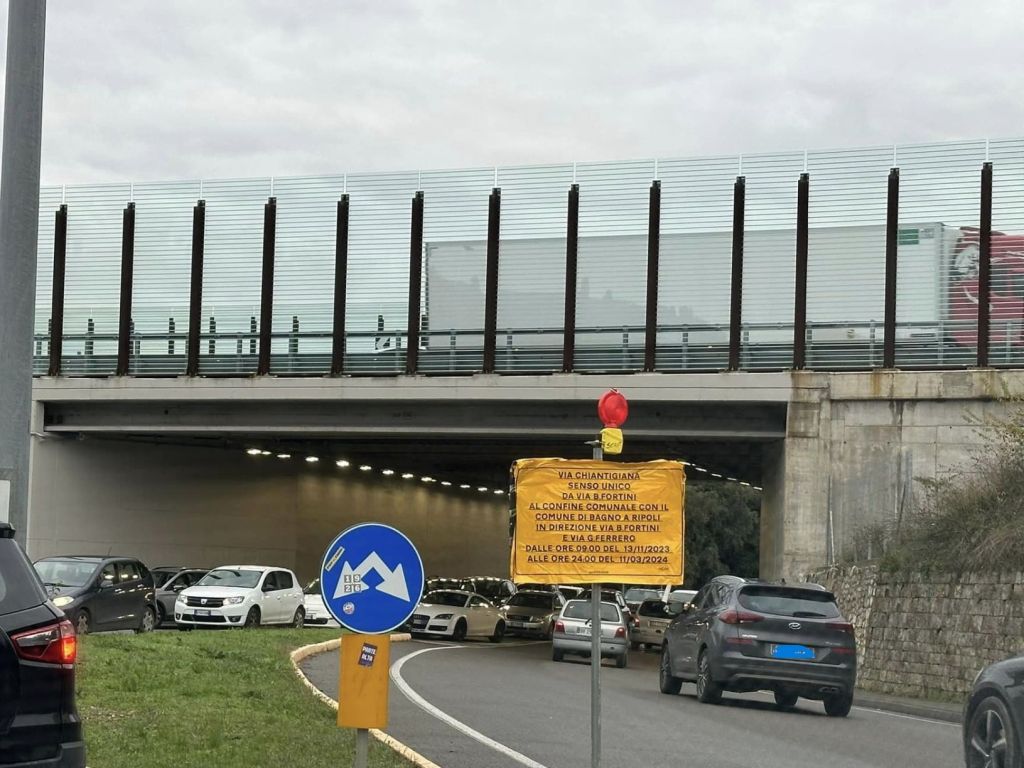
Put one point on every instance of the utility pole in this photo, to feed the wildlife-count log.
(19, 231)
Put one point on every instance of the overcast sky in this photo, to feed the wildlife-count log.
(159, 89)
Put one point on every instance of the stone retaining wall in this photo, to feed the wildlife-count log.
(928, 635)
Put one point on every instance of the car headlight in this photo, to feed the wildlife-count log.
(444, 616)
(60, 602)
(181, 599)
(234, 601)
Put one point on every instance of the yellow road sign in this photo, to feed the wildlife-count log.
(363, 681)
(582, 521)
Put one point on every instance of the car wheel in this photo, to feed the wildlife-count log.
(499, 632)
(459, 633)
(667, 682)
(83, 623)
(252, 618)
(148, 622)
(992, 738)
(708, 691)
(839, 706)
(299, 619)
(621, 660)
(557, 655)
(785, 699)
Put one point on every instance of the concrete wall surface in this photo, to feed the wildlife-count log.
(857, 446)
(928, 635)
(177, 505)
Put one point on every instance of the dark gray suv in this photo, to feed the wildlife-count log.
(746, 635)
(39, 725)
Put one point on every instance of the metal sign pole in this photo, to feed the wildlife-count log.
(362, 747)
(595, 658)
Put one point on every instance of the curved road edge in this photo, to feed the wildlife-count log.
(300, 654)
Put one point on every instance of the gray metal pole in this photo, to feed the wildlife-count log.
(595, 658)
(19, 230)
(362, 748)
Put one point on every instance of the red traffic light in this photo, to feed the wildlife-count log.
(612, 408)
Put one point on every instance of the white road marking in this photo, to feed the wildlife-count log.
(444, 717)
(908, 717)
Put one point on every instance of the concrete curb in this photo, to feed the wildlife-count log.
(300, 654)
(947, 713)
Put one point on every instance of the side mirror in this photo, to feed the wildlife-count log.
(178, 588)
(106, 583)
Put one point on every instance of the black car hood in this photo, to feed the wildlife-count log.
(54, 591)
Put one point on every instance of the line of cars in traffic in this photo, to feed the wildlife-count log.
(733, 635)
(120, 593)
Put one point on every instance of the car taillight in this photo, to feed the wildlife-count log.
(732, 616)
(55, 644)
(559, 627)
(620, 631)
(841, 626)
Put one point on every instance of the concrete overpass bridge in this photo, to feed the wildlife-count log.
(162, 464)
(814, 324)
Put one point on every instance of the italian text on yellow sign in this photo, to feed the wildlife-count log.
(598, 521)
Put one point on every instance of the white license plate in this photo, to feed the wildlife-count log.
(583, 631)
(202, 612)
(516, 624)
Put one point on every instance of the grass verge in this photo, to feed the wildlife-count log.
(227, 699)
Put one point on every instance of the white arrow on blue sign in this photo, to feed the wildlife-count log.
(371, 578)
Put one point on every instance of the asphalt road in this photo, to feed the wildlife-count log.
(514, 695)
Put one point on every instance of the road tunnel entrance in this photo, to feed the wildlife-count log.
(203, 481)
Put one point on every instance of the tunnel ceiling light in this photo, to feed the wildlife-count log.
(264, 453)
(445, 483)
(388, 472)
(312, 459)
(482, 489)
(498, 492)
(342, 463)
(464, 486)
(254, 451)
(365, 467)
(428, 479)
(284, 455)
(408, 475)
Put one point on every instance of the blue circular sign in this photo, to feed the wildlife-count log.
(371, 578)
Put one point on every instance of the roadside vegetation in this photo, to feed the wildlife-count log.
(971, 520)
(227, 699)
(722, 531)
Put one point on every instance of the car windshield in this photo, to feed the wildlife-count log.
(639, 595)
(440, 597)
(531, 600)
(581, 609)
(229, 577)
(655, 608)
(489, 589)
(787, 601)
(66, 573)
(313, 588)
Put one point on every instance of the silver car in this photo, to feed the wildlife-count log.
(572, 633)
(532, 613)
(169, 582)
(652, 619)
